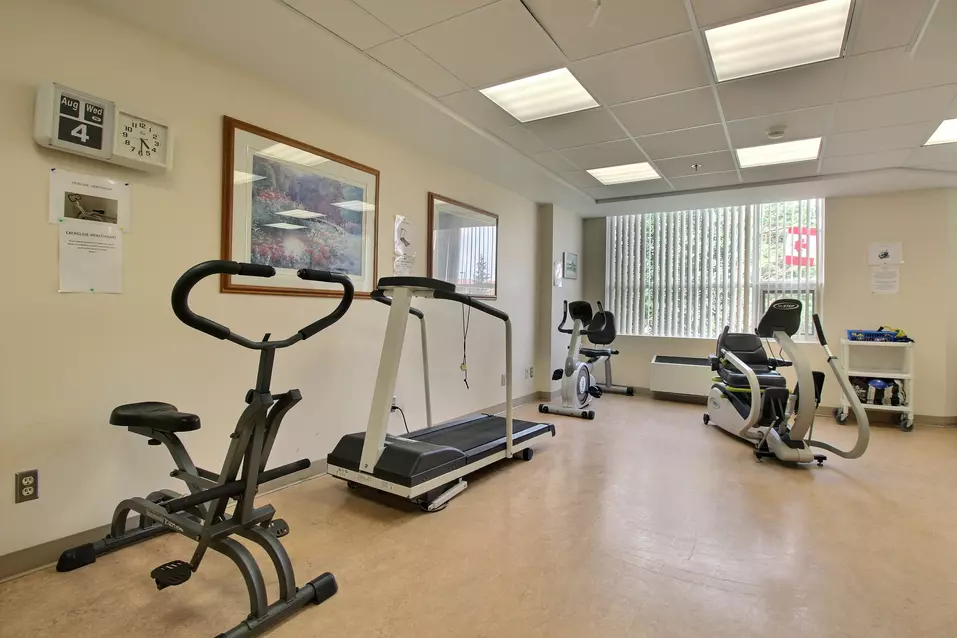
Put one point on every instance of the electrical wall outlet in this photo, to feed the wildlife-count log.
(28, 486)
(503, 380)
(526, 373)
(531, 372)
(393, 402)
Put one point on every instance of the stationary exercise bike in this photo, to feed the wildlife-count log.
(578, 383)
(202, 514)
(751, 400)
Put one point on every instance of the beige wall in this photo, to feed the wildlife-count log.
(562, 230)
(926, 223)
(67, 360)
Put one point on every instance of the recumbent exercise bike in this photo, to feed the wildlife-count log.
(201, 515)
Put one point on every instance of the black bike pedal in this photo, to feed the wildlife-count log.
(278, 527)
(557, 375)
(595, 391)
(175, 572)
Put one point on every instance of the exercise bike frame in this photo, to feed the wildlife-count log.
(575, 373)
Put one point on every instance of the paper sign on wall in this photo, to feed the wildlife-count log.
(91, 257)
(402, 248)
(558, 273)
(884, 253)
(89, 198)
(885, 280)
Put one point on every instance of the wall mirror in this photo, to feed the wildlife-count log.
(464, 248)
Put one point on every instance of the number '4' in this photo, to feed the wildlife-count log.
(80, 132)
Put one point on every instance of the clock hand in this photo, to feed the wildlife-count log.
(143, 143)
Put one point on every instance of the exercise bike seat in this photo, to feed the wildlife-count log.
(155, 415)
(767, 378)
(597, 352)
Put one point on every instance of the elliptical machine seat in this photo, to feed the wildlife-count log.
(154, 415)
(750, 350)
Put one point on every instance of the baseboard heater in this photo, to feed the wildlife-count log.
(683, 378)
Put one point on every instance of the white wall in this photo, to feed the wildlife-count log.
(67, 360)
(926, 223)
(562, 231)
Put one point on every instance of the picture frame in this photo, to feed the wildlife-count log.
(463, 246)
(570, 265)
(292, 205)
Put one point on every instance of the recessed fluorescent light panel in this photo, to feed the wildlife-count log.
(293, 155)
(300, 214)
(539, 96)
(805, 34)
(783, 153)
(355, 205)
(625, 173)
(284, 226)
(946, 133)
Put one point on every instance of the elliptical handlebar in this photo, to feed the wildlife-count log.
(184, 285)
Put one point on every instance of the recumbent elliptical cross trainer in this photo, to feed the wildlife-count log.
(202, 514)
(751, 399)
(579, 386)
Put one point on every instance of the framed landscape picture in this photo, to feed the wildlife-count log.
(464, 247)
(571, 265)
(290, 205)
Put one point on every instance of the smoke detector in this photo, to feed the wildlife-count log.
(776, 132)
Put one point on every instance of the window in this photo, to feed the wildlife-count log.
(690, 273)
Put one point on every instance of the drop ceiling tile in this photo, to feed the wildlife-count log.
(867, 162)
(646, 70)
(933, 155)
(880, 139)
(893, 70)
(554, 162)
(788, 90)
(885, 24)
(798, 125)
(619, 24)
(684, 166)
(669, 112)
(522, 139)
(479, 110)
(603, 155)
(633, 189)
(708, 12)
(897, 108)
(578, 129)
(417, 67)
(407, 16)
(692, 141)
(581, 179)
(711, 180)
(779, 172)
(938, 41)
(493, 44)
(347, 20)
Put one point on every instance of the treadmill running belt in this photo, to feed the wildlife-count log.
(470, 434)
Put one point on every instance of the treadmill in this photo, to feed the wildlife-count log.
(428, 466)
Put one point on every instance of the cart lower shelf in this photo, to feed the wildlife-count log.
(905, 414)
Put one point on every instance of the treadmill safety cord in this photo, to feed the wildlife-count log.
(466, 319)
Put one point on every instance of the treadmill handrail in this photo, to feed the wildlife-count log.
(472, 302)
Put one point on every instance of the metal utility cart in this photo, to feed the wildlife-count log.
(903, 374)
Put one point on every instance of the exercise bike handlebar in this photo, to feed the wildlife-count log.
(584, 329)
(180, 300)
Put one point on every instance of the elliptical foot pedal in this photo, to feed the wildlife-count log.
(278, 528)
(175, 572)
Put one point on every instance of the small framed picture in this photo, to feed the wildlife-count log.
(290, 205)
(571, 265)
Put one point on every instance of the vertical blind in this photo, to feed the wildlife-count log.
(690, 273)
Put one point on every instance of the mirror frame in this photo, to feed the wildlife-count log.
(431, 235)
